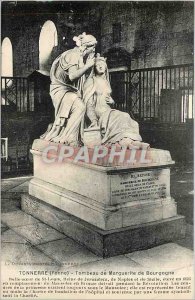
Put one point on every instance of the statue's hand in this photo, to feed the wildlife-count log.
(90, 62)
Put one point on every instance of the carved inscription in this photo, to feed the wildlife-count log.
(140, 186)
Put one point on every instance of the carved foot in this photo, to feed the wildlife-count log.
(57, 139)
(63, 140)
(140, 145)
(129, 143)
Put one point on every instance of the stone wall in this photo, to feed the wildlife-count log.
(24, 34)
(154, 33)
(23, 24)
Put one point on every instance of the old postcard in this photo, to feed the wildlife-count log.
(97, 149)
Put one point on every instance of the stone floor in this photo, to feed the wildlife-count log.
(27, 241)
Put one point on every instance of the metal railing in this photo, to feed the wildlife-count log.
(164, 94)
(15, 157)
(15, 93)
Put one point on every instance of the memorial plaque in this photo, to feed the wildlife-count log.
(143, 185)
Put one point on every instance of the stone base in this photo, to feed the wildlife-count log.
(106, 196)
(106, 243)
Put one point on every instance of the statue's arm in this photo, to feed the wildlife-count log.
(75, 73)
(69, 62)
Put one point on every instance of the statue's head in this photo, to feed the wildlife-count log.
(100, 64)
(100, 69)
(86, 42)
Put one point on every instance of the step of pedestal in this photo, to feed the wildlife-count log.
(106, 243)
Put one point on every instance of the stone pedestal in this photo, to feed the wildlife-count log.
(106, 243)
(116, 202)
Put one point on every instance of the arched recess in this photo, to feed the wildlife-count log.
(48, 40)
(6, 61)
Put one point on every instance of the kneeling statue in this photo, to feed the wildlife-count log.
(67, 78)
